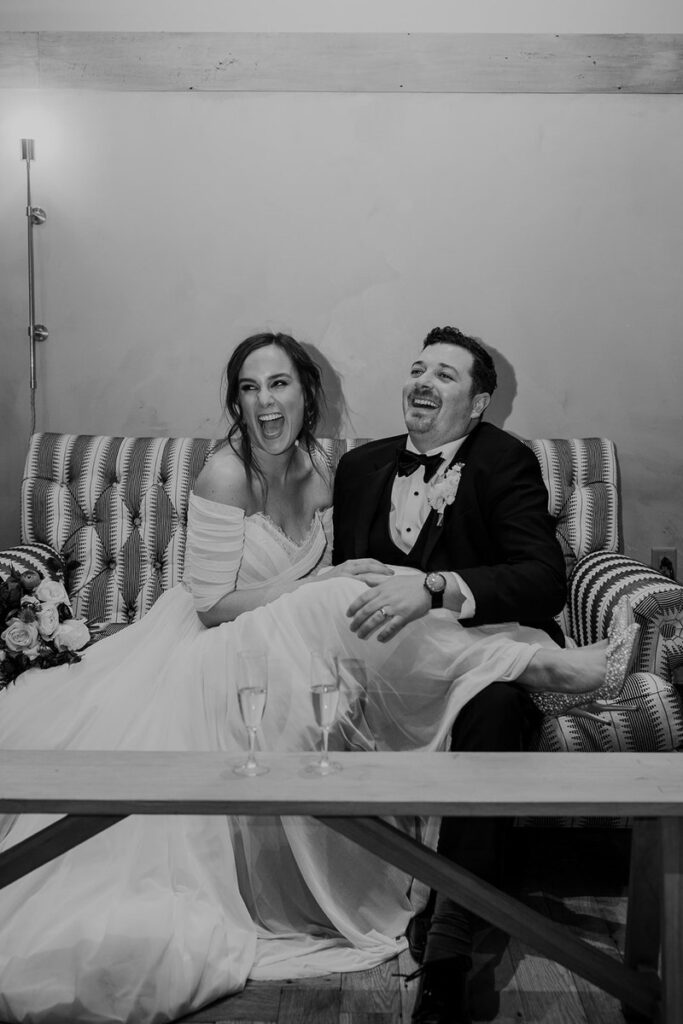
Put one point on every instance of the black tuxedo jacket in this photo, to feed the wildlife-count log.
(497, 534)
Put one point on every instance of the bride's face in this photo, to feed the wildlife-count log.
(271, 399)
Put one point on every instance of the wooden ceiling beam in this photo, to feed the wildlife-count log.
(342, 62)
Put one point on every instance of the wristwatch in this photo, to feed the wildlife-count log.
(435, 584)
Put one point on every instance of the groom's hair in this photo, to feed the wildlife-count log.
(484, 377)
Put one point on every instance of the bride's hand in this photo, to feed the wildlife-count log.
(357, 567)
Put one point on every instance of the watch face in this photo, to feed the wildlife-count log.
(435, 583)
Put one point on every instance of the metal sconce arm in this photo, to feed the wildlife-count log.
(35, 215)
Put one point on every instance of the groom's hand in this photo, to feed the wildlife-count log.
(388, 605)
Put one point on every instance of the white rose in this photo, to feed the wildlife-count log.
(71, 635)
(22, 638)
(48, 621)
(52, 592)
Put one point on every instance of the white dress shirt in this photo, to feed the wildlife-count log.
(409, 510)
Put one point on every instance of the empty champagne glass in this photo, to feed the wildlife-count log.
(324, 682)
(252, 691)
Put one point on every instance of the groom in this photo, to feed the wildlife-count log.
(486, 548)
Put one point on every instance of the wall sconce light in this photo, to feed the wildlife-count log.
(35, 215)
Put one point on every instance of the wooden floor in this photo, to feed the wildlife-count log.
(575, 876)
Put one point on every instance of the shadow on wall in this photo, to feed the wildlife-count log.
(504, 395)
(334, 418)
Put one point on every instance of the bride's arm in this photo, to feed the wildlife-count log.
(236, 602)
(215, 545)
(215, 539)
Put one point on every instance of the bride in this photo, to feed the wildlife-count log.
(158, 916)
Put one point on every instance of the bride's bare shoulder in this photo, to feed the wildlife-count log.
(223, 479)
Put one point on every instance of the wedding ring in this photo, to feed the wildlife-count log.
(383, 612)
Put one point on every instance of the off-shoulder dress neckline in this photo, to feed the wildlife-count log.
(269, 521)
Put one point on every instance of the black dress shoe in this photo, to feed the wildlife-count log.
(442, 996)
(416, 934)
(418, 928)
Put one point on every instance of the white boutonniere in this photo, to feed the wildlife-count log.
(443, 489)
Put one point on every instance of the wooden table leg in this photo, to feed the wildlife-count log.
(51, 842)
(672, 920)
(641, 949)
(639, 991)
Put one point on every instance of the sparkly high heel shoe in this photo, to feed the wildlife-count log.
(622, 635)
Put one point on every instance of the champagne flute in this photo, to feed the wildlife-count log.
(252, 691)
(324, 681)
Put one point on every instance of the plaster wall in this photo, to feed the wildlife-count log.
(550, 226)
(350, 16)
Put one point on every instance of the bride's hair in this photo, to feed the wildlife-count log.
(311, 383)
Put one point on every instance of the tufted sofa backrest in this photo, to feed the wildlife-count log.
(118, 507)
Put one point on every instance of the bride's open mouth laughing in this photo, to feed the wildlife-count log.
(272, 424)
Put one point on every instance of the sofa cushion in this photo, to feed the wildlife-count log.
(118, 507)
(581, 476)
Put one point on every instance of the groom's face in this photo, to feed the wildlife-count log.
(438, 404)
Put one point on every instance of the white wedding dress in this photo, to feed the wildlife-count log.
(158, 916)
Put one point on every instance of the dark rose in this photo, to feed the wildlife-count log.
(13, 591)
(30, 580)
(28, 614)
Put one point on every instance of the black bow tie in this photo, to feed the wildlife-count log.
(407, 462)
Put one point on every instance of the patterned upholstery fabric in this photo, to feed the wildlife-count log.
(599, 581)
(582, 480)
(118, 506)
(41, 557)
(656, 725)
(581, 476)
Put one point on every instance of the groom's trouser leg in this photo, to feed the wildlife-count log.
(498, 718)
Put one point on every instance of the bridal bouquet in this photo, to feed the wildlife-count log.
(39, 628)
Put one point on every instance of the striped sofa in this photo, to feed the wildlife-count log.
(117, 507)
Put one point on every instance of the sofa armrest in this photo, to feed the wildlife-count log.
(600, 579)
(42, 558)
